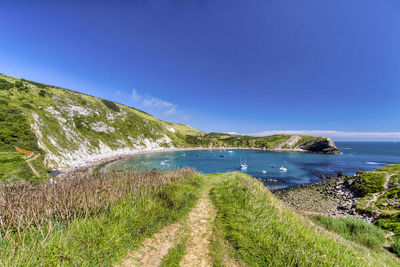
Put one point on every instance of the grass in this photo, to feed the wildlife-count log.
(13, 166)
(390, 222)
(92, 222)
(263, 232)
(175, 254)
(355, 230)
(396, 247)
(387, 204)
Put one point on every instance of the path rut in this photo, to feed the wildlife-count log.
(199, 229)
(200, 226)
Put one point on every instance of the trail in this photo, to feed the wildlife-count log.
(153, 249)
(198, 226)
(29, 159)
(376, 196)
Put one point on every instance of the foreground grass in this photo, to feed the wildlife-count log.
(261, 231)
(355, 230)
(175, 254)
(102, 238)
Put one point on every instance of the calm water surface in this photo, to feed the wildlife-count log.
(302, 168)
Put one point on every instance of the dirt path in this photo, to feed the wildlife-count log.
(200, 226)
(30, 164)
(154, 249)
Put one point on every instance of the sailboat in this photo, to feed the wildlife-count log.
(243, 165)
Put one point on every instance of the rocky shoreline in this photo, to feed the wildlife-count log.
(330, 197)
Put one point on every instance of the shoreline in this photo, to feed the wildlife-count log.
(107, 159)
(329, 198)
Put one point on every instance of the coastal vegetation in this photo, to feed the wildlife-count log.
(90, 220)
(355, 230)
(379, 192)
(98, 219)
(258, 230)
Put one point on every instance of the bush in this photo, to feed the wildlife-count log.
(111, 105)
(25, 105)
(5, 85)
(42, 92)
(19, 84)
(396, 247)
(355, 230)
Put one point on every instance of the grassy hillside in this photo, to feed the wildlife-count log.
(379, 192)
(70, 127)
(259, 230)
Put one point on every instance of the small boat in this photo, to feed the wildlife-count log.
(243, 165)
(230, 151)
(221, 156)
(264, 171)
(283, 169)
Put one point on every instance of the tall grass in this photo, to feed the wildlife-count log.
(396, 247)
(263, 232)
(355, 230)
(87, 220)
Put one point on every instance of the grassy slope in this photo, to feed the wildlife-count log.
(371, 184)
(65, 128)
(102, 238)
(261, 231)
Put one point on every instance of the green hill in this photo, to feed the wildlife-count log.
(67, 128)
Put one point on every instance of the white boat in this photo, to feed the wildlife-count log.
(230, 151)
(264, 171)
(283, 169)
(243, 166)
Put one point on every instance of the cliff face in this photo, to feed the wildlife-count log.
(326, 146)
(72, 128)
(279, 142)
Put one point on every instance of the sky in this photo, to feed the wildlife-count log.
(257, 67)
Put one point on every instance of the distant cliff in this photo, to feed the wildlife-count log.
(279, 142)
(70, 128)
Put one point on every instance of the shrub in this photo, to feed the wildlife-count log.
(19, 84)
(396, 247)
(111, 105)
(5, 85)
(42, 92)
(26, 105)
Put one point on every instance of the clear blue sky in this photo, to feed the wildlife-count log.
(240, 66)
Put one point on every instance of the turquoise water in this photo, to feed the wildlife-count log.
(302, 168)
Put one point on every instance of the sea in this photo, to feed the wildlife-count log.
(301, 168)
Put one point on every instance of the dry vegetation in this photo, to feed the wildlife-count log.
(24, 206)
